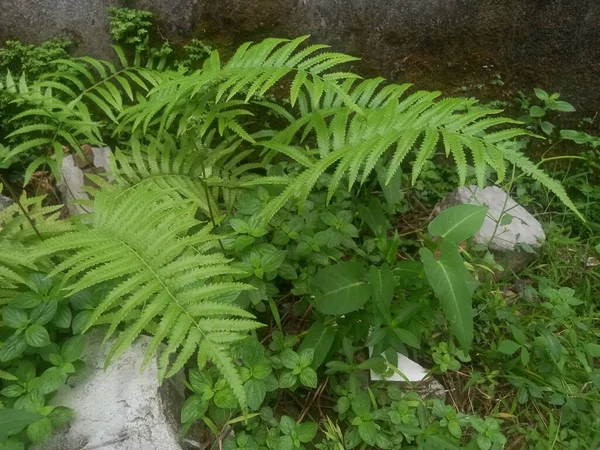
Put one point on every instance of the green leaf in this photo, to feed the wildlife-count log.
(392, 191)
(374, 216)
(193, 409)
(290, 359)
(306, 356)
(593, 350)
(541, 94)
(225, 399)
(562, 106)
(13, 347)
(273, 260)
(60, 416)
(368, 432)
(37, 336)
(407, 337)
(40, 430)
(42, 314)
(287, 380)
(256, 391)
(547, 127)
(308, 377)
(63, 317)
(438, 442)
(536, 111)
(72, 349)
(320, 338)
(339, 289)
(285, 443)
(382, 285)
(508, 347)
(459, 222)
(14, 318)
(448, 278)
(14, 420)
(306, 432)
(12, 391)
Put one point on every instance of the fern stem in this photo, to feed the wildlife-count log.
(21, 207)
(208, 202)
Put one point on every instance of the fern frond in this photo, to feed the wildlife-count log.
(142, 238)
(521, 161)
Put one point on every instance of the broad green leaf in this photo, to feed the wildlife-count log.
(42, 314)
(459, 222)
(436, 442)
(392, 190)
(508, 347)
(14, 318)
(256, 391)
(339, 289)
(72, 349)
(37, 336)
(290, 359)
(374, 216)
(536, 111)
(13, 347)
(407, 337)
(308, 377)
(306, 432)
(40, 430)
(14, 420)
(382, 285)
(593, 350)
(193, 409)
(541, 94)
(448, 278)
(320, 338)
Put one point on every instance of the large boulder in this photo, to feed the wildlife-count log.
(119, 408)
(509, 230)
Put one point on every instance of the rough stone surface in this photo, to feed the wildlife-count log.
(73, 181)
(502, 239)
(5, 202)
(120, 408)
(437, 44)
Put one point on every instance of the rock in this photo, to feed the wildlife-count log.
(73, 171)
(5, 202)
(509, 231)
(120, 408)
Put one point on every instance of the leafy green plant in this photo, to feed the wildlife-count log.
(130, 26)
(225, 199)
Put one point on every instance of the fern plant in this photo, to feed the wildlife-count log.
(333, 122)
(167, 282)
(68, 108)
(23, 226)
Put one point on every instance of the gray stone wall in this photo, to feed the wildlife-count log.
(437, 44)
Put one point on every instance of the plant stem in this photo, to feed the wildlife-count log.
(21, 207)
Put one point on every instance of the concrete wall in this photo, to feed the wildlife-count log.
(437, 44)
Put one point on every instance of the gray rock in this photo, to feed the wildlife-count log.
(5, 202)
(509, 230)
(73, 171)
(120, 408)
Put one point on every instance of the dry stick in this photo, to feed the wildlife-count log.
(317, 393)
(23, 210)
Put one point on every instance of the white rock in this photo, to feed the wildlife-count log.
(120, 408)
(71, 186)
(519, 228)
(523, 228)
